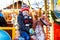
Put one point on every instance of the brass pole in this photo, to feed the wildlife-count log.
(45, 6)
(22, 2)
(52, 5)
(52, 9)
(17, 4)
(47, 31)
(13, 4)
(29, 4)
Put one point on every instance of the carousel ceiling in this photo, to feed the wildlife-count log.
(5, 3)
(33, 3)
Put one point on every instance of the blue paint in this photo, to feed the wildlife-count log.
(57, 14)
(4, 35)
(1, 14)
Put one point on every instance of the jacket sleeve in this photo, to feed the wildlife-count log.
(20, 22)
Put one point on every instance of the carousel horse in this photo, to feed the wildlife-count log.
(38, 27)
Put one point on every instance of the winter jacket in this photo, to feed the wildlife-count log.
(22, 22)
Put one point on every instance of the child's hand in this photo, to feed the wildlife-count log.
(33, 37)
(17, 34)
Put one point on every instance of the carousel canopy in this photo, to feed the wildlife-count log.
(33, 3)
(5, 3)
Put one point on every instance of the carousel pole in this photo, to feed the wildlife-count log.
(52, 9)
(52, 5)
(13, 4)
(29, 4)
(47, 31)
(22, 2)
(17, 4)
(45, 6)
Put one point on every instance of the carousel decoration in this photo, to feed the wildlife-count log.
(56, 13)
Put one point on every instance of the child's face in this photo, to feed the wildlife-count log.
(25, 12)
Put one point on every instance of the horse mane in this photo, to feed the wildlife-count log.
(36, 22)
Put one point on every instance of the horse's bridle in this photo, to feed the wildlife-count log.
(44, 22)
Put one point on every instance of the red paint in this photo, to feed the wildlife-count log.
(56, 31)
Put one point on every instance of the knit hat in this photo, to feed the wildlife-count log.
(24, 7)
